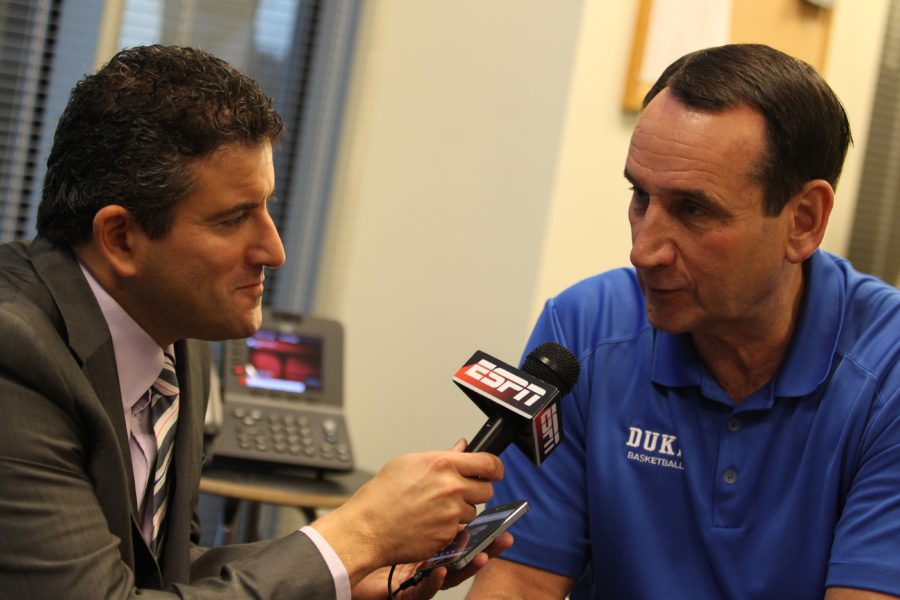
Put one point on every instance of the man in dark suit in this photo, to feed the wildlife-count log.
(154, 233)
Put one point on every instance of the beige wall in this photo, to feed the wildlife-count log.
(450, 159)
(482, 172)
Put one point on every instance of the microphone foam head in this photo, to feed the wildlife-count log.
(555, 364)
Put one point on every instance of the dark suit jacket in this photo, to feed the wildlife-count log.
(68, 513)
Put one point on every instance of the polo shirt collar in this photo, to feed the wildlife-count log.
(674, 362)
(814, 343)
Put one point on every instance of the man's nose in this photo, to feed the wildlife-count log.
(267, 249)
(652, 245)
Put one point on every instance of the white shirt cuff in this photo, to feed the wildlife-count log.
(335, 564)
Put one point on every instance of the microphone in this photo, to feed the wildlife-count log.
(521, 405)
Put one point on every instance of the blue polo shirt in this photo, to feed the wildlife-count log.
(663, 488)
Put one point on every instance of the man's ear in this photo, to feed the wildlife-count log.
(118, 239)
(809, 211)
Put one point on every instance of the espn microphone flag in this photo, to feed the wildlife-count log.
(520, 406)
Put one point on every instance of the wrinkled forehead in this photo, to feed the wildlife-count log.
(676, 147)
(669, 133)
(668, 114)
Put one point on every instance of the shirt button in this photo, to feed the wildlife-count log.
(730, 476)
(734, 424)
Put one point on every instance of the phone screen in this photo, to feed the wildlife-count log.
(476, 536)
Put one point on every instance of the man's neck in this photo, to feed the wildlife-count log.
(745, 358)
(104, 274)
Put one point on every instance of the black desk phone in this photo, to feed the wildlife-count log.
(282, 395)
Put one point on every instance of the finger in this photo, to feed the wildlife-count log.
(402, 572)
(470, 515)
(503, 542)
(480, 465)
(454, 578)
(467, 514)
(477, 492)
(428, 587)
(460, 445)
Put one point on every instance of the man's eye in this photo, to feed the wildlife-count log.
(234, 221)
(693, 210)
(639, 198)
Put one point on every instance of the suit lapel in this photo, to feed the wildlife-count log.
(192, 367)
(87, 335)
(90, 341)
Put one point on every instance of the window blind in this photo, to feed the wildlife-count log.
(875, 238)
(26, 48)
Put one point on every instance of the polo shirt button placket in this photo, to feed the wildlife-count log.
(730, 476)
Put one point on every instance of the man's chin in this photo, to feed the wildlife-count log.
(669, 323)
(239, 327)
(249, 325)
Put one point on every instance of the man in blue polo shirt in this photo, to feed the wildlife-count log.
(735, 431)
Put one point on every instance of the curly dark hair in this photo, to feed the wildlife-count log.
(807, 128)
(131, 132)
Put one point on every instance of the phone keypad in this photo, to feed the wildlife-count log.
(284, 435)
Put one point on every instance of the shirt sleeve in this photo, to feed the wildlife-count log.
(867, 537)
(335, 565)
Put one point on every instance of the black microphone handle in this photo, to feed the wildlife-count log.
(495, 435)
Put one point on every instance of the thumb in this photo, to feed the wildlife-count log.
(460, 445)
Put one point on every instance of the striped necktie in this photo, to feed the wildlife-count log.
(164, 412)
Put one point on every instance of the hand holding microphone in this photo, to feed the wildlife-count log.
(521, 405)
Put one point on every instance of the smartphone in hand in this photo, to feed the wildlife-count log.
(476, 536)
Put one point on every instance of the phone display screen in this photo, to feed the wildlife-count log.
(284, 362)
(476, 536)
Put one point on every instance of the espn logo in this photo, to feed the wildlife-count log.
(547, 429)
(501, 383)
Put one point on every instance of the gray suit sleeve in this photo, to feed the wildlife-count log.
(57, 539)
(56, 542)
(291, 565)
